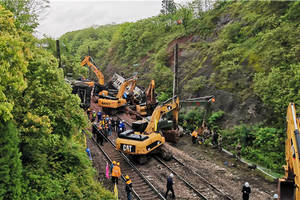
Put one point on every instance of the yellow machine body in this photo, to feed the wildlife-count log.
(142, 147)
(118, 101)
(141, 109)
(289, 185)
(110, 103)
(137, 143)
(103, 93)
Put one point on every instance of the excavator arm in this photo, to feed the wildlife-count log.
(160, 110)
(124, 85)
(289, 185)
(89, 62)
(150, 98)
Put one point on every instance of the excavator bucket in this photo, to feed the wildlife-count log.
(286, 189)
(171, 135)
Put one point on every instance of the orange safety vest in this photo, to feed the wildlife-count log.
(116, 171)
(194, 134)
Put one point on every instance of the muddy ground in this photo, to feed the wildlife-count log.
(224, 171)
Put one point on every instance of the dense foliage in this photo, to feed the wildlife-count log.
(245, 48)
(42, 148)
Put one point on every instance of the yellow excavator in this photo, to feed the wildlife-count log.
(147, 108)
(289, 185)
(109, 102)
(144, 138)
(99, 88)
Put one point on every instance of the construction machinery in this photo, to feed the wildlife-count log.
(289, 185)
(148, 107)
(110, 102)
(117, 80)
(145, 137)
(99, 88)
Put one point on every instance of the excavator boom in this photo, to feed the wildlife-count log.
(161, 110)
(89, 62)
(125, 85)
(147, 108)
(290, 183)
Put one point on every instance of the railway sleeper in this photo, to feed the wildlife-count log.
(146, 189)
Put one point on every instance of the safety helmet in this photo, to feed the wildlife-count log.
(246, 184)
(171, 175)
(118, 164)
(127, 177)
(275, 196)
(114, 162)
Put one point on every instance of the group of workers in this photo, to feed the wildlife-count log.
(105, 124)
(116, 174)
(108, 124)
(203, 133)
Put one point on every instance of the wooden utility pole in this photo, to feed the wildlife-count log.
(175, 80)
(58, 53)
(90, 71)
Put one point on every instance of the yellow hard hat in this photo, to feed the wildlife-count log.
(118, 164)
(114, 162)
(127, 177)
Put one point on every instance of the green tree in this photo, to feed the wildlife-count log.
(10, 163)
(168, 6)
(26, 12)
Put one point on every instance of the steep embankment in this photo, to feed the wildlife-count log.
(245, 53)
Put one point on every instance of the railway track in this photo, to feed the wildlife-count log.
(198, 185)
(143, 189)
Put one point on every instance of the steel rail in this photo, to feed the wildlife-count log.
(202, 178)
(182, 179)
(132, 165)
(110, 160)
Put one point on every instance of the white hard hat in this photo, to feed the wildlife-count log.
(275, 196)
(171, 175)
(246, 184)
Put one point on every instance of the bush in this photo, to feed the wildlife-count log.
(261, 145)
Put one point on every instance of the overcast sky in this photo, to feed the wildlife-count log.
(69, 15)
